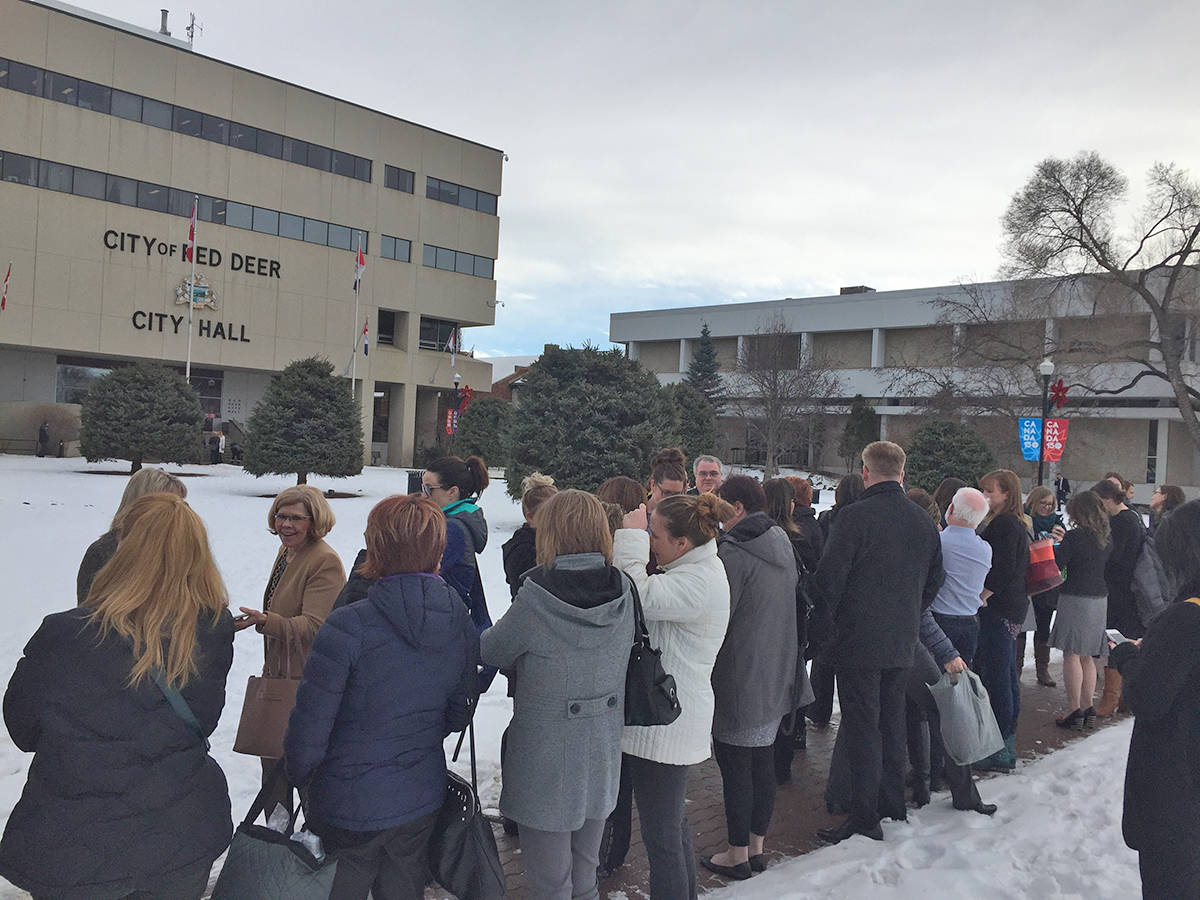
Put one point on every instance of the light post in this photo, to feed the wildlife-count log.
(1046, 369)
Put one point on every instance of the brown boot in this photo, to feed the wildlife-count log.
(1041, 656)
(1112, 693)
(1021, 652)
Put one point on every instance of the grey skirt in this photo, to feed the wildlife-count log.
(1079, 625)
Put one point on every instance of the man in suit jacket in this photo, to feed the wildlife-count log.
(881, 567)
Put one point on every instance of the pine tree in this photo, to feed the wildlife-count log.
(943, 449)
(704, 372)
(862, 427)
(694, 423)
(586, 415)
(483, 430)
(142, 411)
(307, 421)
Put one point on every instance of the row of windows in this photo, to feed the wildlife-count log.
(437, 334)
(468, 198)
(398, 179)
(110, 101)
(457, 261)
(395, 248)
(160, 198)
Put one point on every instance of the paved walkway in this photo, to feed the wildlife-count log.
(799, 806)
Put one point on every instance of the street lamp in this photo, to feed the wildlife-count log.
(1046, 369)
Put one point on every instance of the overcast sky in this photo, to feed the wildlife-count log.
(674, 154)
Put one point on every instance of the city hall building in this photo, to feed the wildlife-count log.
(880, 344)
(108, 135)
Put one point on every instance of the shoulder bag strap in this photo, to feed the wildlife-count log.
(175, 699)
(641, 635)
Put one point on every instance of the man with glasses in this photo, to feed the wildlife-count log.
(707, 472)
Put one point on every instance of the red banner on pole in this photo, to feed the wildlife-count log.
(449, 421)
(1055, 437)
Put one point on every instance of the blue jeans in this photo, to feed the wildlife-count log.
(963, 632)
(996, 665)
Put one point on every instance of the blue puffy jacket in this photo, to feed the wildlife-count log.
(387, 680)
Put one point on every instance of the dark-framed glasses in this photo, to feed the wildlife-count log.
(284, 517)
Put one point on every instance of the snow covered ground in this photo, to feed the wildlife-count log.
(1057, 833)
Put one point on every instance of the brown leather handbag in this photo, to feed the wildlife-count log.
(265, 713)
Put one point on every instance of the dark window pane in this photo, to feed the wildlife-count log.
(464, 263)
(448, 193)
(407, 180)
(62, 88)
(266, 221)
(391, 177)
(484, 266)
(157, 113)
(432, 188)
(429, 255)
(214, 129)
(152, 196)
(445, 259)
(316, 232)
(362, 169)
(295, 151)
(243, 136)
(386, 327)
(403, 250)
(387, 247)
(187, 121)
(486, 203)
(466, 197)
(127, 106)
(55, 176)
(4, 73)
(339, 236)
(94, 96)
(270, 144)
(88, 184)
(121, 190)
(358, 238)
(319, 157)
(26, 79)
(239, 215)
(291, 226)
(179, 203)
(210, 210)
(19, 169)
(343, 163)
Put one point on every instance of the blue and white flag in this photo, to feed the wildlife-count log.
(1029, 433)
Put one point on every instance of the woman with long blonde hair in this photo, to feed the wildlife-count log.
(116, 699)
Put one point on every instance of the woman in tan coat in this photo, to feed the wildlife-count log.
(304, 581)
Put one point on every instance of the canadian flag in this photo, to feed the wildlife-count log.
(4, 296)
(190, 249)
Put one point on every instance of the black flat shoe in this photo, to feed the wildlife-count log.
(835, 834)
(758, 862)
(741, 871)
(984, 809)
(1089, 717)
(1073, 721)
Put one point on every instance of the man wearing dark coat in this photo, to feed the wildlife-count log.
(881, 567)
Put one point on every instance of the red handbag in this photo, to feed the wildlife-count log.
(1043, 573)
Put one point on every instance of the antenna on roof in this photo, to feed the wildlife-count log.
(192, 30)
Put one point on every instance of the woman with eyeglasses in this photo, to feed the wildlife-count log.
(304, 581)
(455, 485)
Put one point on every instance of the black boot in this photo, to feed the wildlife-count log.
(835, 834)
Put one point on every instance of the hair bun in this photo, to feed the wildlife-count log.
(536, 480)
(669, 455)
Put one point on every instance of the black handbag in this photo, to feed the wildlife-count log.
(650, 695)
(462, 848)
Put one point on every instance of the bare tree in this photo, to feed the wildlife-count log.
(777, 391)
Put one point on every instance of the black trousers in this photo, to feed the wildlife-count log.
(821, 676)
(1172, 873)
(748, 785)
(391, 865)
(872, 702)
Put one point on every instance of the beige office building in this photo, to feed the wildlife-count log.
(107, 134)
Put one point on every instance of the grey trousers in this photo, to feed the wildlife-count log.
(561, 865)
(660, 790)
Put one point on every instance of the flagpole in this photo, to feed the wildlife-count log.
(187, 369)
(357, 280)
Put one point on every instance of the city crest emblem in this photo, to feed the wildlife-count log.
(203, 294)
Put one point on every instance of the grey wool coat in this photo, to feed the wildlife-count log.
(567, 635)
(756, 668)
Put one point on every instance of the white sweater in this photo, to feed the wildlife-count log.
(687, 612)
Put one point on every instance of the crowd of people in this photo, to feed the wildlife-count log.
(757, 607)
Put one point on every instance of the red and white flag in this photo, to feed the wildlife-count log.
(366, 336)
(453, 346)
(360, 266)
(4, 296)
(190, 250)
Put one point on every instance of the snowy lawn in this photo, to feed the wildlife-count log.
(1057, 833)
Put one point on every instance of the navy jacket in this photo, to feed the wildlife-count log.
(121, 791)
(388, 678)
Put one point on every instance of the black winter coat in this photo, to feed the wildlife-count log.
(520, 555)
(1010, 561)
(1162, 776)
(813, 544)
(121, 791)
(882, 565)
(1128, 535)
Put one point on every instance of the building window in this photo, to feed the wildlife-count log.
(239, 215)
(398, 179)
(291, 226)
(55, 177)
(69, 89)
(87, 183)
(458, 195)
(436, 334)
(1152, 452)
(457, 261)
(121, 190)
(73, 377)
(379, 417)
(395, 248)
(385, 328)
(266, 221)
(152, 196)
